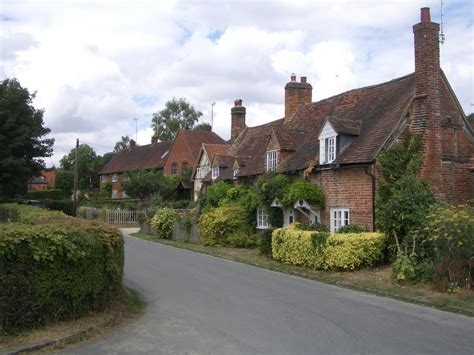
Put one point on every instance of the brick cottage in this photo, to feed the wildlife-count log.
(335, 142)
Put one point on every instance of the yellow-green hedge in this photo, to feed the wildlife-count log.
(321, 250)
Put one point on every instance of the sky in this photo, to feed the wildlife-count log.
(96, 66)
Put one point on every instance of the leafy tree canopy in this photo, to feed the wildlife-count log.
(122, 144)
(178, 114)
(144, 184)
(22, 138)
(88, 169)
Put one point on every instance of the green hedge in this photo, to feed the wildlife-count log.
(216, 225)
(53, 194)
(321, 250)
(55, 268)
(12, 212)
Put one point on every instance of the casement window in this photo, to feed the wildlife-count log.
(262, 219)
(327, 150)
(174, 169)
(114, 194)
(272, 160)
(124, 194)
(215, 173)
(114, 178)
(340, 217)
(236, 173)
(185, 167)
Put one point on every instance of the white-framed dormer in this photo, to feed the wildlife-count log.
(327, 144)
(271, 159)
(215, 172)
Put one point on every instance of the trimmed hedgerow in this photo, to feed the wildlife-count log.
(57, 268)
(53, 194)
(12, 212)
(322, 250)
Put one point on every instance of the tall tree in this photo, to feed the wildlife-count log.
(178, 114)
(88, 168)
(122, 144)
(22, 138)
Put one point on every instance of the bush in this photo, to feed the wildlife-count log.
(65, 206)
(57, 269)
(241, 239)
(352, 228)
(12, 212)
(323, 251)
(215, 193)
(163, 222)
(53, 194)
(219, 223)
(265, 243)
(316, 227)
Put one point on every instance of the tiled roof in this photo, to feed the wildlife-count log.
(370, 114)
(194, 140)
(215, 149)
(150, 156)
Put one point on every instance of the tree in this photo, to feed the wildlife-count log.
(106, 158)
(122, 144)
(178, 114)
(88, 168)
(22, 138)
(144, 184)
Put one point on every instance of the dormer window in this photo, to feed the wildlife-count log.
(327, 144)
(236, 173)
(272, 160)
(329, 149)
(215, 173)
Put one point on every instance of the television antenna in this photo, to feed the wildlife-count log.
(136, 128)
(441, 33)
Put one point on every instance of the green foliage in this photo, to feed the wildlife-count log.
(217, 224)
(317, 227)
(404, 267)
(22, 138)
(303, 189)
(144, 184)
(106, 158)
(246, 197)
(178, 114)
(321, 250)
(106, 189)
(270, 186)
(163, 222)
(352, 228)
(215, 193)
(65, 179)
(58, 268)
(53, 194)
(89, 165)
(265, 243)
(65, 206)
(122, 144)
(450, 230)
(241, 239)
(12, 212)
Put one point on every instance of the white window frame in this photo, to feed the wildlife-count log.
(272, 159)
(174, 168)
(340, 217)
(215, 172)
(114, 177)
(262, 219)
(235, 173)
(114, 193)
(331, 149)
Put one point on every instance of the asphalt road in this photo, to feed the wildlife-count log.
(197, 304)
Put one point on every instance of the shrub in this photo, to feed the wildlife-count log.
(352, 228)
(303, 189)
(57, 269)
(53, 194)
(323, 251)
(245, 197)
(12, 212)
(317, 227)
(163, 222)
(215, 193)
(65, 206)
(215, 225)
(265, 243)
(241, 239)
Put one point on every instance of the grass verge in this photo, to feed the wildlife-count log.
(126, 306)
(378, 281)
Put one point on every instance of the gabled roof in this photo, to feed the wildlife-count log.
(194, 140)
(370, 114)
(150, 156)
(215, 149)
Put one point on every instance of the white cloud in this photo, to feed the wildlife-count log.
(97, 65)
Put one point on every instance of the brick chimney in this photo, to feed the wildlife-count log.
(154, 139)
(132, 143)
(206, 127)
(296, 93)
(237, 114)
(427, 113)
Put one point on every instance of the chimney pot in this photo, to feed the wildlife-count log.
(132, 143)
(293, 77)
(154, 139)
(237, 103)
(425, 14)
(303, 79)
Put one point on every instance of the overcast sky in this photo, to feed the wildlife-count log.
(97, 65)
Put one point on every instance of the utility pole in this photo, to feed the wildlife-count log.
(76, 172)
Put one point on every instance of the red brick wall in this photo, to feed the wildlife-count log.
(178, 154)
(346, 188)
(50, 176)
(296, 93)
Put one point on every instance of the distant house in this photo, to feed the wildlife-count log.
(172, 158)
(151, 156)
(47, 180)
(335, 142)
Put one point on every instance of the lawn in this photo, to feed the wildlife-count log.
(379, 280)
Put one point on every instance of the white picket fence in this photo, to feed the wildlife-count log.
(123, 216)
